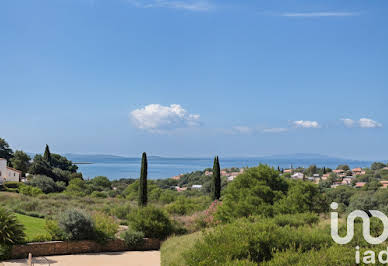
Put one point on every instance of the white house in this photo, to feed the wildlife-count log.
(196, 186)
(8, 173)
(298, 176)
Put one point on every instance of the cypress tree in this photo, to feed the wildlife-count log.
(143, 181)
(47, 155)
(216, 186)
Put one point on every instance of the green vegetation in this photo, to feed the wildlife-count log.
(133, 238)
(216, 186)
(143, 181)
(174, 248)
(77, 225)
(34, 228)
(11, 230)
(152, 221)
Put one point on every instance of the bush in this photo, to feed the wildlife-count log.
(105, 227)
(30, 191)
(5, 252)
(98, 194)
(56, 233)
(77, 225)
(153, 222)
(46, 184)
(133, 239)
(121, 211)
(12, 184)
(11, 231)
(256, 241)
(296, 220)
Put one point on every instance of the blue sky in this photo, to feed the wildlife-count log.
(195, 78)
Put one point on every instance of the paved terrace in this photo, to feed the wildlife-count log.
(129, 258)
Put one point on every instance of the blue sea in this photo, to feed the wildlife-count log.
(115, 167)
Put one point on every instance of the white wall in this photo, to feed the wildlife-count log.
(8, 174)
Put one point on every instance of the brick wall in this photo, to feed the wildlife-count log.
(75, 247)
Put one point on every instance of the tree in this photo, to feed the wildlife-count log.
(5, 151)
(252, 193)
(377, 166)
(40, 167)
(344, 167)
(47, 155)
(143, 181)
(216, 186)
(21, 161)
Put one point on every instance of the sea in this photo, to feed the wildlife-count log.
(116, 167)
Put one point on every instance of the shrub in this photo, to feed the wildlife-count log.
(153, 222)
(52, 227)
(76, 224)
(121, 211)
(39, 238)
(256, 241)
(5, 252)
(11, 231)
(12, 184)
(30, 191)
(105, 227)
(99, 194)
(46, 184)
(133, 239)
(296, 220)
(60, 186)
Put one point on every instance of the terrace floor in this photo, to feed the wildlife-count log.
(130, 258)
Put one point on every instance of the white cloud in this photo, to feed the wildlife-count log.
(159, 118)
(369, 123)
(362, 123)
(320, 14)
(243, 129)
(306, 124)
(191, 5)
(348, 122)
(275, 130)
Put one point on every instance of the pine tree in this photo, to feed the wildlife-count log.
(324, 170)
(143, 181)
(47, 155)
(278, 168)
(216, 186)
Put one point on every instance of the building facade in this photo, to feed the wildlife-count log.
(8, 173)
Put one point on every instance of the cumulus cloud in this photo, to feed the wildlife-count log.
(320, 14)
(369, 123)
(159, 118)
(362, 123)
(348, 122)
(193, 5)
(306, 124)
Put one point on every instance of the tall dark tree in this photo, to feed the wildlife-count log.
(216, 186)
(143, 181)
(5, 151)
(47, 155)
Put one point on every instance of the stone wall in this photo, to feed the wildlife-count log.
(75, 247)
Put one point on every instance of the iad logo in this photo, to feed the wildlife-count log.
(365, 226)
